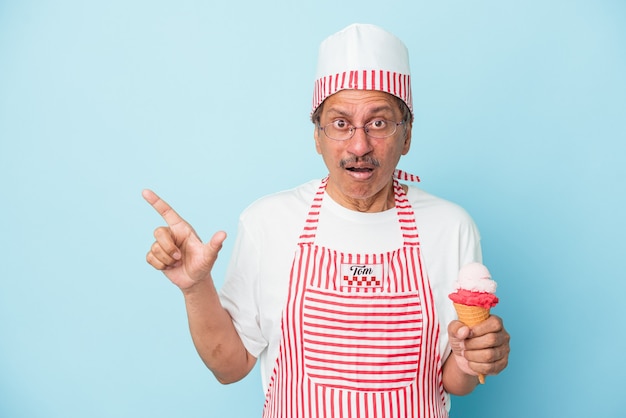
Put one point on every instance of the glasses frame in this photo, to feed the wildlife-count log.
(352, 129)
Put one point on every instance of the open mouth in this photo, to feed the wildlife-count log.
(360, 169)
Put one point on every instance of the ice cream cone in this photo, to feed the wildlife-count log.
(470, 316)
(474, 296)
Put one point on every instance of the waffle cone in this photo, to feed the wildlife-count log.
(470, 316)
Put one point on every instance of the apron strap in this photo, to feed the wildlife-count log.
(403, 175)
(404, 209)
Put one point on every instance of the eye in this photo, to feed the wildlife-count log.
(340, 124)
(378, 124)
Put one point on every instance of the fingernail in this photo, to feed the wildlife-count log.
(176, 255)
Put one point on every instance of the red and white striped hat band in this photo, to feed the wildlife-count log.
(362, 57)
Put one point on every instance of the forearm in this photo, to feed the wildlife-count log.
(214, 334)
(455, 381)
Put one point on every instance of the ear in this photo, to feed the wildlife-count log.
(407, 139)
(316, 135)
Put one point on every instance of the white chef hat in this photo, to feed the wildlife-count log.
(362, 57)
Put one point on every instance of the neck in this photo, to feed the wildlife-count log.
(379, 202)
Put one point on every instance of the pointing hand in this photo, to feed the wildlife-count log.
(178, 251)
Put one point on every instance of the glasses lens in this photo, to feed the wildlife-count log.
(380, 128)
(338, 131)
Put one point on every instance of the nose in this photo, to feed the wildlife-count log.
(360, 144)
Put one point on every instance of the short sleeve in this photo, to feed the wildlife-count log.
(239, 293)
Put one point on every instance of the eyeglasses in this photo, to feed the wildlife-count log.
(341, 130)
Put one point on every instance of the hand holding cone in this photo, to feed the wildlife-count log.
(474, 297)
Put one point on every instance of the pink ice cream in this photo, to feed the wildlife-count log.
(474, 287)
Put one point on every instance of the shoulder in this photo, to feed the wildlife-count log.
(436, 208)
(445, 226)
(282, 206)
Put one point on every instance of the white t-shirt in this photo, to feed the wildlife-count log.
(257, 280)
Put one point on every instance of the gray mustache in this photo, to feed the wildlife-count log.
(354, 160)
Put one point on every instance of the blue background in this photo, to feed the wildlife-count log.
(520, 118)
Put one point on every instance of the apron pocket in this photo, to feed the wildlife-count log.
(361, 342)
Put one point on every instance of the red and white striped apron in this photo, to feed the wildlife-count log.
(360, 335)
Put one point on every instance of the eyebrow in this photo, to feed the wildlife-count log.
(377, 109)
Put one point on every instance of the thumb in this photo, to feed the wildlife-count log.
(213, 247)
(458, 332)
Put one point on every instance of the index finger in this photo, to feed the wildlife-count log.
(162, 207)
(493, 324)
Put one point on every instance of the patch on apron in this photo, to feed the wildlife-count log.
(362, 275)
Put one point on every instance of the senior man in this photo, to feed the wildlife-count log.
(339, 286)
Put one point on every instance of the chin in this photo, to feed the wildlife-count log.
(360, 193)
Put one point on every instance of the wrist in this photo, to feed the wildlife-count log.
(457, 379)
(200, 288)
